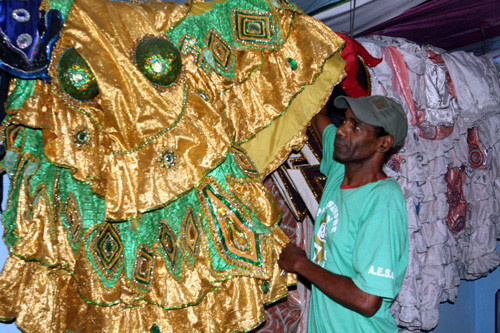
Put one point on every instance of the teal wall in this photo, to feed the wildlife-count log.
(474, 308)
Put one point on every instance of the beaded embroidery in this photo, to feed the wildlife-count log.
(253, 28)
(188, 46)
(107, 249)
(244, 162)
(168, 241)
(73, 218)
(221, 51)
(190, 233)
(168, 159)
(81, 137)
(142, 274)
(231, 229)
(24, 41)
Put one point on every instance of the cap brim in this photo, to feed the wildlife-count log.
(341, 102)
(358, 108)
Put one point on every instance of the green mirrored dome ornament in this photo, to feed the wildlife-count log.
(159, 60)
(76, 77)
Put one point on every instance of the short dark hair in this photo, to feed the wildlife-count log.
(380, 131)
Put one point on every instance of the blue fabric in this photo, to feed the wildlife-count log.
(14, 60)
(12, 28)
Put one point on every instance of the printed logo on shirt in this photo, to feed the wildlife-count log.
(328, 222)
(332, 215)
(380, 271)
(319, 242)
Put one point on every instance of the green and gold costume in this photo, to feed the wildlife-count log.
(136, 199)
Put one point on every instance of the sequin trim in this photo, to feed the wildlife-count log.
(231, 230)
(142, 273)
(254, 28)
(244, 162)
(107, 249)
(220, 49)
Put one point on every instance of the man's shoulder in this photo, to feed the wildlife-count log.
(387, 190)
(388, 184)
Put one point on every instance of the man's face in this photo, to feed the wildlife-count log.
(355, 141)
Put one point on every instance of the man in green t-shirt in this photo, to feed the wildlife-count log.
(360, 245)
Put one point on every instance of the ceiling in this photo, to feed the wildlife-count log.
(449, 24)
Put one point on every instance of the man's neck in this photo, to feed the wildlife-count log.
(357, 175)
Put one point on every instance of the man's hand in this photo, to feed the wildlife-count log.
(291, 257)
(339, 288)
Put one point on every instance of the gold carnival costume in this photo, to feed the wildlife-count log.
(136, 200)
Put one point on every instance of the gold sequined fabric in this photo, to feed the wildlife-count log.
(173, 147)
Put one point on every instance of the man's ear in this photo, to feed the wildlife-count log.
(385, 143)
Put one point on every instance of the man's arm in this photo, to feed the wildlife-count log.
(319, 123)
(339, 288)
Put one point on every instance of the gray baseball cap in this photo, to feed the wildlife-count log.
(378, 111)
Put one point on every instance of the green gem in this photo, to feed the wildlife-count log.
(75, 76)
(82, 137)
(292, 63)
(159, 60)
(203, 95)
(266, 287)
(168, 158)
(155, 329)
(254, 28)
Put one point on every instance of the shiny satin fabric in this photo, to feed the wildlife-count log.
(130, 122)
(56, 307)
(52, 280)
(143, 207)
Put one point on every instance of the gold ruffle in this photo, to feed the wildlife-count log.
(131, 123)
(47, 287)
(44, 300)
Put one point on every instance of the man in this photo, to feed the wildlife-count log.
(360, 246)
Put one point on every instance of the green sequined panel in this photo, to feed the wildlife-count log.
(212, 38)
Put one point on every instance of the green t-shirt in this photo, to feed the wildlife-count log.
(360, 233)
